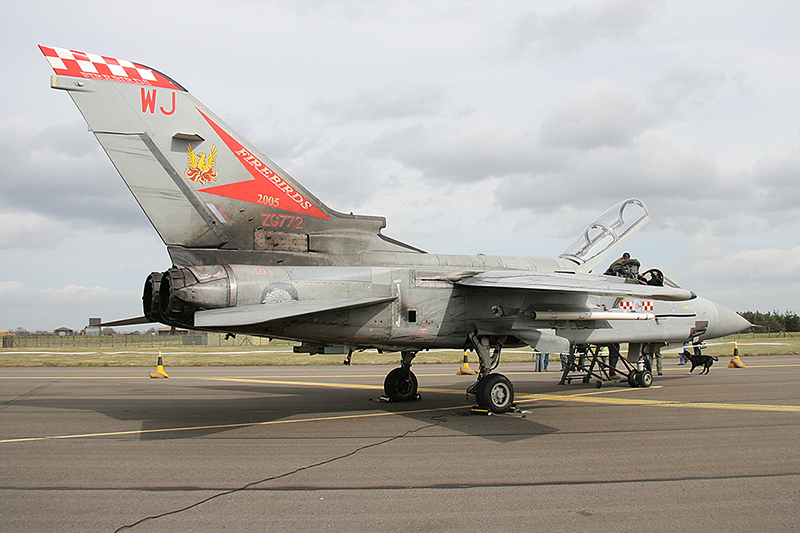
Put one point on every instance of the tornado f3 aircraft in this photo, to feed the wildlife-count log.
(255, 252)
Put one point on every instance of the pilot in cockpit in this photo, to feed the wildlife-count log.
(624, 267)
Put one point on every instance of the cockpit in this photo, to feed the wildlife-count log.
(628, 268)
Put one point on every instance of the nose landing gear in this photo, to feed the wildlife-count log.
(401, 384)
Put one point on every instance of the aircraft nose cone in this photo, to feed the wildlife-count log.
(729, 322)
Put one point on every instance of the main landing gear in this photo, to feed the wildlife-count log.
(493, 392)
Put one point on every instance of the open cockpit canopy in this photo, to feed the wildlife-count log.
(607, 232)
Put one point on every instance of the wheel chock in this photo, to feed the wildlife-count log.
(159, 373)
(386, 399)
(465, 369)
(479, 410)
(736, 362)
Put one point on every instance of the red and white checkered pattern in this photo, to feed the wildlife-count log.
(82, 65)
(636, 305)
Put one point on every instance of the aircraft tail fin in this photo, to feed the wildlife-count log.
(201, 184)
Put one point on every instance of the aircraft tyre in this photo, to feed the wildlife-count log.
(645, 378)
(496, 393)
(400, 385)
(633, 379)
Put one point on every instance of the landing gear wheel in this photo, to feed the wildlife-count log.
(645, 378)
(400, 385)
(633, 379)
(496, 393)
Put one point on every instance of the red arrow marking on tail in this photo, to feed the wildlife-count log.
(266, 182)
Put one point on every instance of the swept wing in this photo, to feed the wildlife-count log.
(573, 283)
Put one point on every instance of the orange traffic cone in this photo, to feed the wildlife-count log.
(736, 362)
(159, 373)
(465, 369)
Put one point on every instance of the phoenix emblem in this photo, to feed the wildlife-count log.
(201, 167)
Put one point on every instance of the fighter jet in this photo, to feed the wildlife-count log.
(254, 252)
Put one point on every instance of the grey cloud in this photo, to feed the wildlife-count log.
(466, 151)
(691, 86)
(786, 265)
(658, 167)
(578, 27)
(46, 306)
(60, 173)
(600, 113)
(393, 100)
(777, 181)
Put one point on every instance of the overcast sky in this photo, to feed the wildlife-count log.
(494, 127)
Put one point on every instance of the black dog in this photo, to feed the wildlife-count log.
(701, 360)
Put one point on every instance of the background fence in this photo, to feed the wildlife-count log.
(130, 341)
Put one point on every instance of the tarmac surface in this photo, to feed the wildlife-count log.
(309, 448)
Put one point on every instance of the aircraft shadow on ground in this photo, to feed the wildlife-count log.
(162, 417)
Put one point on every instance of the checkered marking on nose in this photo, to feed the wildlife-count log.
(636, 305)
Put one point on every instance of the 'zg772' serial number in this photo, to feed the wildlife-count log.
(282, 221)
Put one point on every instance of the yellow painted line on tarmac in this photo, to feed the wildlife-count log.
(175, 369)
(327, 384)
(270, 381)
(227, 426)
(593, 398)
(178, 369)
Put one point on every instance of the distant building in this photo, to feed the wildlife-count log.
(8, 338)
(171, 330)
(93, 328)
(64, 332)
